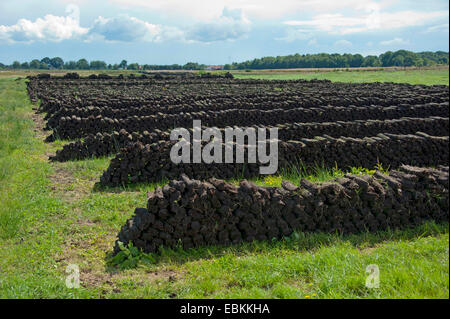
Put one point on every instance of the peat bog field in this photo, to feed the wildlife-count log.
(86, 179)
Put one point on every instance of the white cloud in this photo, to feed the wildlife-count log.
(224, 20)
(338, 23)
(202, 10)
(438, 28)
(231, 25)
(124, 28)
(395, 41)
(50, 28)
(342, 43)
(296, 35)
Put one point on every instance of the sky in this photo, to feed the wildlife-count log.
(216, 31)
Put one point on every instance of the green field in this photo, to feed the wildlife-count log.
(51, 216)
(414, 76)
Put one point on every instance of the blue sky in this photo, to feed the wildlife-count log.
(216, 31)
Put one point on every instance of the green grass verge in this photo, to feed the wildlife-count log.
(425, 76)
(51, 216)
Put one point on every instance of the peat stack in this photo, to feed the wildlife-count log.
(194, 213)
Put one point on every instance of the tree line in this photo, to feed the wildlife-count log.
(82, 64)
(400, 58)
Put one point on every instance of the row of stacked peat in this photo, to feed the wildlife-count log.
(76, 127)
(193, 213)
(153, 163)
(103, 144)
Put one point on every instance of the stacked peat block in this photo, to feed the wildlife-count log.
(152, 163)
(77, 127)
(194, 213)
(284, 93)
(103, 144)
(116, 108)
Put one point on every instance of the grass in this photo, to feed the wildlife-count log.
(411, 262)
(411, 76)
(52, 216)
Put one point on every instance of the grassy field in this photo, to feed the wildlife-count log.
(412, 76)
(52, 216)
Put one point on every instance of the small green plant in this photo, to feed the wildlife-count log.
(365, 171)
(379, 167)
(129, 256)
(361, 171)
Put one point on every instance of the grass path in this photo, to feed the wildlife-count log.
(50, 216)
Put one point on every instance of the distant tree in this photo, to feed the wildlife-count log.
(35, 64)
(70, 65)
(398, 60)
(57, 63)
(386, 58)
(97, 65)
(428, 62)
(371, 61)
(356, 61)
(2, 66)
(320, 60)
(46, 61)
(440, 57)
(82, 64)
(133, 66)
(16, 65)
(325, 60)
(163, 67)
(190, 66)
(123, 64)
(410, 60)
(194, 66)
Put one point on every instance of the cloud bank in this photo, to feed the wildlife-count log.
(228, 20)
(338, 23)
(50, 28)
(124, 28)
(231, 25)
